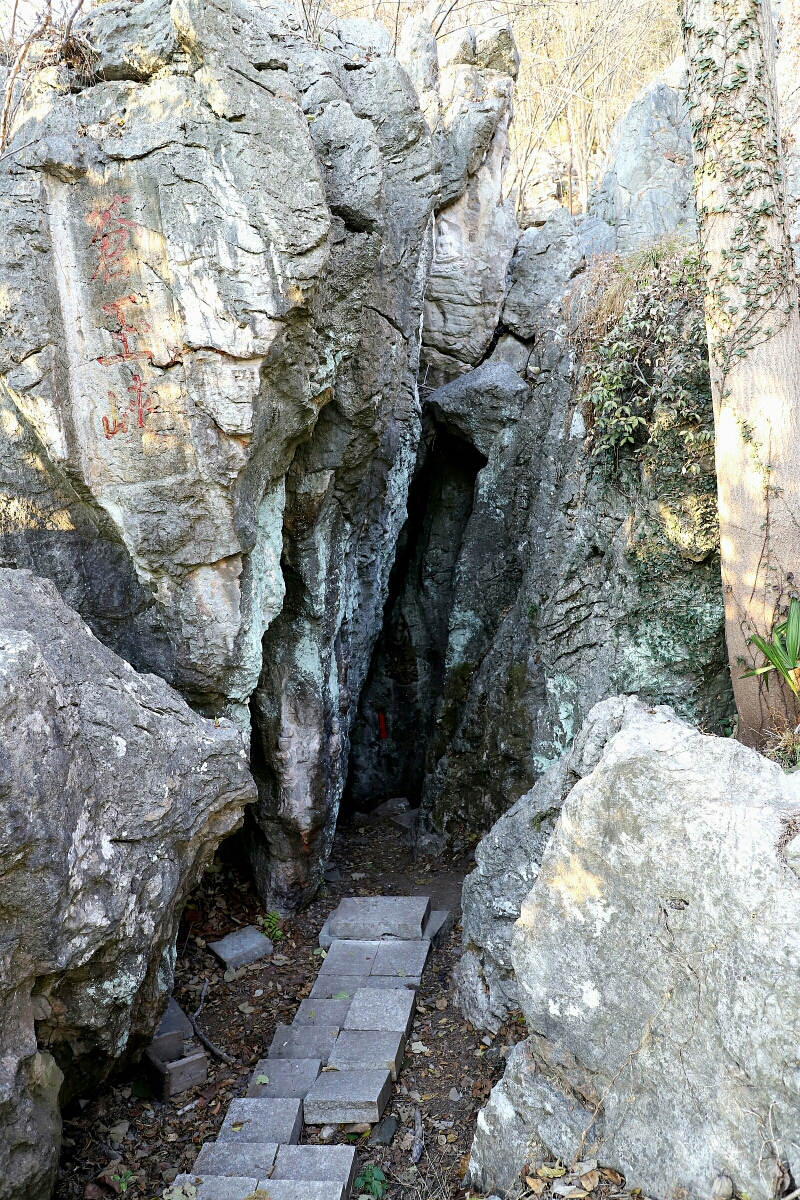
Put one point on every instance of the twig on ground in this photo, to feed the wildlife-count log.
(201, 1037)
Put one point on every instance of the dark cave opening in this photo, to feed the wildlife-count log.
(398, 707)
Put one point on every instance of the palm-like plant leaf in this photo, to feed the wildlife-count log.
(793, 632)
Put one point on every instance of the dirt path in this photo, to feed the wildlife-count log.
(125, 1133)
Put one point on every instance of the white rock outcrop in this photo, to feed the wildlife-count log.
(657, 959)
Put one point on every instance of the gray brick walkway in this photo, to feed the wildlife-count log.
(356, 1020)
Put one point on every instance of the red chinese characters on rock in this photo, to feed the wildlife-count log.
(139, 406)
(111, 238)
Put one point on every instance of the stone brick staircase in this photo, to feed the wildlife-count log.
(333, 1065)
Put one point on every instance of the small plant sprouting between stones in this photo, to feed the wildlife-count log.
(124, 1180)
(781, 650)
(371, 1181)
(272, 923)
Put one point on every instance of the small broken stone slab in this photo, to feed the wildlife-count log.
(309, 1163)
(368, 1049)
(440, 922)
(369, 917)
(288, 1078)
(404, 959)
(337, 987)
(240, 1159)
(341, 1097)
(243, 946)
(322, 1012)
(175, 1019)
(382, 1134)
(272, 1120)
(350, 958)
(217, 1187)
(303, 1041)
(393, 1011)
(325, 938)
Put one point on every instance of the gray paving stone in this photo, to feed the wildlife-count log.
(368, 1049)
(337, 1163)
(386, 982)
(331, 986)
(322, 1012)
(350, 958)
(303, 1041)
(241, 947)
(440, 922)
(288, 1078)
(369, 1009)
(369, 917)
(300, 1189)
(272, 1120)
(219, 1188)
(175, 1018)
(216, 1187)
(236, 1158)
(404, 959)
(340, 1097)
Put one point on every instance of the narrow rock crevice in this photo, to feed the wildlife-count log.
(404, 686)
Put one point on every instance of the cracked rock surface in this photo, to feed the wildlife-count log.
(113, 797)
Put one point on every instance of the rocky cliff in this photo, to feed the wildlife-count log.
(295, 419)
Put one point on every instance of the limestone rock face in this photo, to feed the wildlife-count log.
(507, 864)
(209, 404)
(646, 189)
(666, 906)
(464, 84)
(555, 600)
(113, 797)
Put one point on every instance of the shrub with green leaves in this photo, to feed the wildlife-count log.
(646, 374)
(371, 1181)
(781, 650)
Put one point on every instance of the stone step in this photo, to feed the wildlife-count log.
(391, 1010)
(218, 1187)
(322, 1012)
(350, 958)
(335, 987)
(405, 959)
(317, 1163)
(303, 1041)
(236, 1158)
(363, 918)
(211, 1187)
(368, 1049)
(288, 1077)
(345, 1097)
(272, 1120)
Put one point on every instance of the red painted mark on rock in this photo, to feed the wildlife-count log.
(139, 406)
(112, 235)
(126, 333)
(382, 732)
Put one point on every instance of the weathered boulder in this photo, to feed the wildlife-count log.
(210, 398)
(113, 797)
(507, 864)
(666, 907)
(646, 189)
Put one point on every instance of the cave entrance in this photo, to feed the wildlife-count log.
(398, 707)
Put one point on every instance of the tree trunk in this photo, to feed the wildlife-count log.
(753, 329)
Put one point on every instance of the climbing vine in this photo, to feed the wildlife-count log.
(749, 271)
